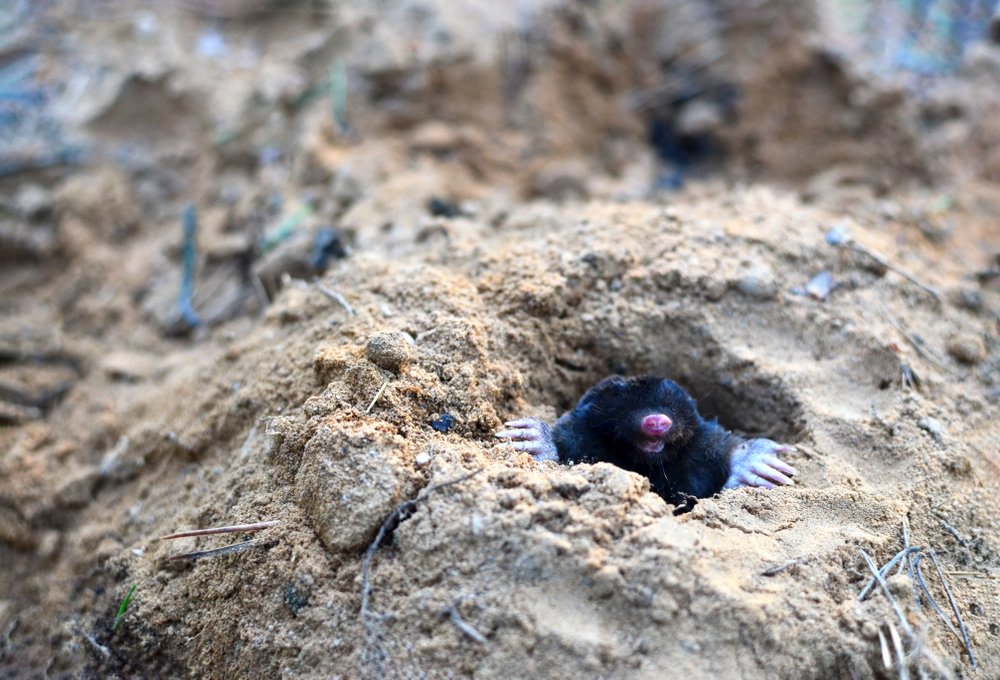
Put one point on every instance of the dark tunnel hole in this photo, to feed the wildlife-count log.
(736, 392)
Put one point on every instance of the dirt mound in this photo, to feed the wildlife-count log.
(379, 280)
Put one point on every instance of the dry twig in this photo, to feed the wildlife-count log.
(897, 644)
(393, 517)
(883, 262)
(954, 607)
(885, 570)
(774, 570)
(221, 530)
(930, 598)
(336, 297)
(235, 547)
(469, 631)
(885, 589)
(378, 395)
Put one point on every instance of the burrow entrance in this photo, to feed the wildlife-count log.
(737, 392)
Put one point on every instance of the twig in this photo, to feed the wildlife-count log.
(906, 544)
(857, 247)
(885, 588)
(909, 562)
(236, 547)
(897, 643)
(221, 530)
(774, 570)
(378, 395)
(337, 297)
(951, 530)
(463, 626)
(408, 506)
(969, 574)
(885, 569)
(954, 607)
(930, 598)
(923, 349)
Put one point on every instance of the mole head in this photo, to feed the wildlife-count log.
(653, 416)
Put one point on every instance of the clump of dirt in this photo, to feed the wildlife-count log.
(373, 302)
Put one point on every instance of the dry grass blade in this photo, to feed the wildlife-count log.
(954, 607)
(883, 262)
(886, 654)
(468, 630)
(897, 644)
(906, 545)
(336, 297)
(366, 587)
(885, 588)
(221, 530)
(378, 395)
(933, 602)
(885, 570)
(775, 570)
(923, 349)
(236, 547)
(969, 574)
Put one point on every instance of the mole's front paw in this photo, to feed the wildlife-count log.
(532, 436)
(754, 463)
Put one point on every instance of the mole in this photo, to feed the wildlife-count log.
(652, 426)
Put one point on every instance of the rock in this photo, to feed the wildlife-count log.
(760, 282)
(607, 580)
(820, 285)
(967, 348)
(933, 426)
(388, 350)
(348, 485)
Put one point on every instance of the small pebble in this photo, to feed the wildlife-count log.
(933, 426)
(839, 235)
(967, 348)
(423, 458)
(443, 423)
(820, 285)
(388, 350)
(759, 283)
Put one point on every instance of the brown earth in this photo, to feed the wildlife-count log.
(121, 424)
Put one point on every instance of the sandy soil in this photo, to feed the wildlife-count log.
(318, 396)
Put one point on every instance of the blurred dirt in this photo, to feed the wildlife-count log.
(477, 229)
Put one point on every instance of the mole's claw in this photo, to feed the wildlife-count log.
(532, 436)
(780, 465)
(770, 473)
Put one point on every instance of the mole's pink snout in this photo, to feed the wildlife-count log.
(656, 425)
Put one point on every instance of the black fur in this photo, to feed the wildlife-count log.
(605, 426)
